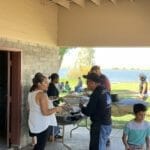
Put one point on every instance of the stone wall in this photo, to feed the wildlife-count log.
(34, 58)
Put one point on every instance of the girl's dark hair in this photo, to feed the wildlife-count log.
(38, 78)
(53, 76)
(139, 107)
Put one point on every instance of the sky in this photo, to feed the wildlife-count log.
(123, 57)
(119, 57)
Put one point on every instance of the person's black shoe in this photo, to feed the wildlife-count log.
(108, 142)
(58, 136)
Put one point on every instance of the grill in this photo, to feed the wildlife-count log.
(73, 115)
(69, 119)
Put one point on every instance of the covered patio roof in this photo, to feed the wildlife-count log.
(81, 3)
(97, 23)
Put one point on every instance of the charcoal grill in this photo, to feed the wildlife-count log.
(69, 119)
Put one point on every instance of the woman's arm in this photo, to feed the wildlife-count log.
(42, 101)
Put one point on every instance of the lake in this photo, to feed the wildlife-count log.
(125, 75)
(116, 75)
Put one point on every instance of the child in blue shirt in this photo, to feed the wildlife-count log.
(137, 132)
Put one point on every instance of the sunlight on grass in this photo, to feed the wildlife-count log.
(119, 122)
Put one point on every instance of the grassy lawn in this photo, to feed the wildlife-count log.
(124, 90)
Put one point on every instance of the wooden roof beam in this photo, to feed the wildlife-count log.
(114, 1)
(97, 2)
(79, 2)
(45, 2)
(64, 3)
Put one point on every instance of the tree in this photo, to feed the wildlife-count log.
(83, 62)
(63, 51)
(85, 57)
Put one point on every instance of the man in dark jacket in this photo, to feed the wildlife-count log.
(99, 110)
(104, 82)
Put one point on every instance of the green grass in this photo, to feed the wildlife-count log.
(124, 90)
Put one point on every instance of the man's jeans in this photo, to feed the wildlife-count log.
(105, 131)
(98, 136)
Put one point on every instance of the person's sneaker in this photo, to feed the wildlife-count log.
(108, 142)
(58, 136)
(51, 139)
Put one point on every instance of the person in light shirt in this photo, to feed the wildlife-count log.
(39, 113)
(137, 131)
(78, 87)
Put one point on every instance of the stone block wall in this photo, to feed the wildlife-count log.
(34, 58)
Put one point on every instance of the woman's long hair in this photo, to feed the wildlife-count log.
(38, 78)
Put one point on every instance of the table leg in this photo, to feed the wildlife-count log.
(73, 129)
(86, 125)
(53, 136)
(63, 134)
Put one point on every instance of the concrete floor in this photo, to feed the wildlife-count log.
(80, 140)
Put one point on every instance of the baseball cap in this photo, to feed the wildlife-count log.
(92, 76)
